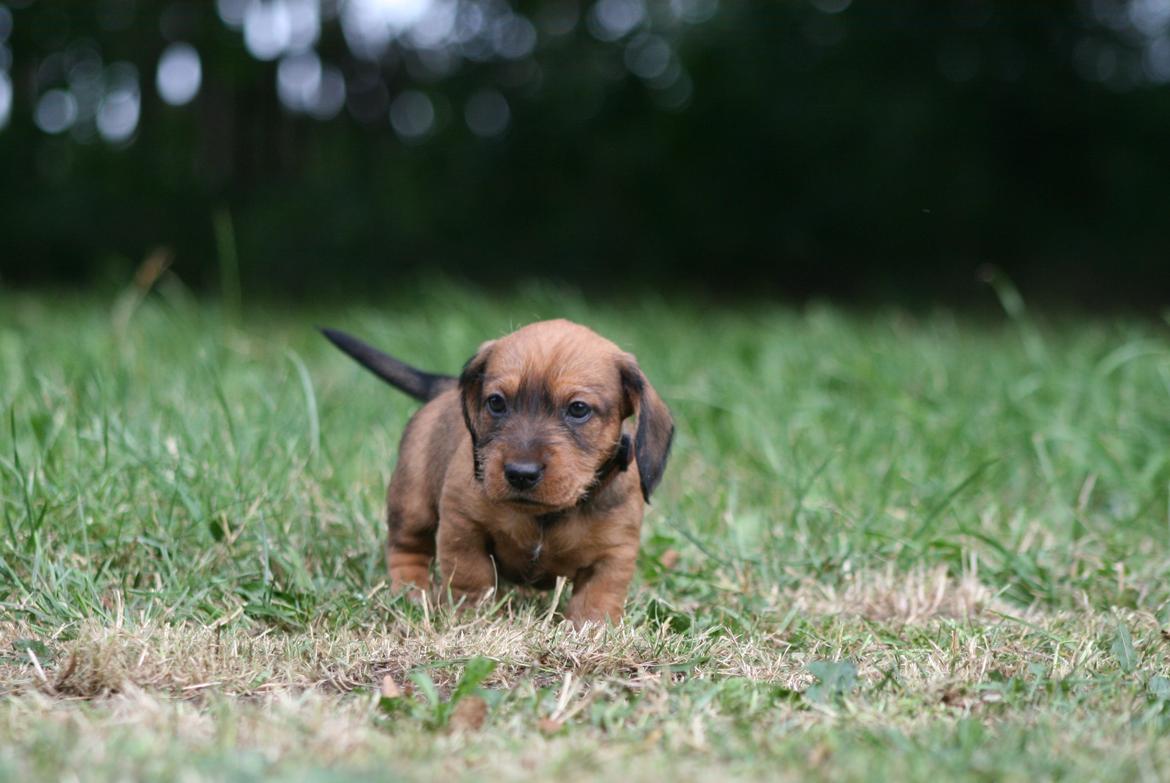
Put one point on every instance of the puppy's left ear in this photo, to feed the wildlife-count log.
(655, 425)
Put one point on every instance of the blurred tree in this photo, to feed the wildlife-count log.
(798, 148)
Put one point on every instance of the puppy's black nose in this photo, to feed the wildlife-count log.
(523, 475)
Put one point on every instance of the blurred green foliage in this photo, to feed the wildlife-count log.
(865, 149)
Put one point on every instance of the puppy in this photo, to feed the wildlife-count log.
(522, 468)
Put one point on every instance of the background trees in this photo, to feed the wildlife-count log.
(850, 149)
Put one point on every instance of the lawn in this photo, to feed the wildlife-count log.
(889, 545)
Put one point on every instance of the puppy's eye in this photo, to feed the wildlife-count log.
(579, 411)
(496, 404)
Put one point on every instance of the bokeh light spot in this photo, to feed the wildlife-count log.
(647, 56)
(513, 37)
(1157, 61)
(231, 12)
(56, 111)
(1149, 17)
(120, 108)
(5, 99)
(117, 117)
(330, 95)
(610, 20)
(180, 74)
(370, 25)
(487, 113)
(84, 75)
(469, 23)
(305, 85)
(435, 26)
(298, 78)
(412, 115)
(267, 28)
(694, 11)
(304, 24)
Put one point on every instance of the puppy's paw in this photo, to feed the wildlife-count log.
(411, 591)
(468, 600)
(595, 617)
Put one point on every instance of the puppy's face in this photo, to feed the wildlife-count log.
(545, 407)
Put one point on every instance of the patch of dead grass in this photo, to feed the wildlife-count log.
(917, 596)
(931, 633)
(185, 660)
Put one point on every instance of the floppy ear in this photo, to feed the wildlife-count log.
(470, 392)
(655, 425)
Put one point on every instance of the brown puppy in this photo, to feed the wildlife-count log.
(521, 468)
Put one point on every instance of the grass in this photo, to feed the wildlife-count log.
(888, 546)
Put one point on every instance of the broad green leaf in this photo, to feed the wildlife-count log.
(834, 680)
(1123, 650)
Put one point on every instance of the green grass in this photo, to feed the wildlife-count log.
(888, 546)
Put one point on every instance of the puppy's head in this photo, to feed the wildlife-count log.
(545, 407)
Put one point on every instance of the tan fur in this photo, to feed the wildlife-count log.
(581, 521)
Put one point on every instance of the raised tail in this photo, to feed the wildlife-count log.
(418, 384)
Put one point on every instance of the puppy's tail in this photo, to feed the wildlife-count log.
(418, 384)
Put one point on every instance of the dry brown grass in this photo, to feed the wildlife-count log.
(928, 630)
(903, 597)
(929, 650)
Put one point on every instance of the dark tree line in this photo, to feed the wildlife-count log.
(887, 149)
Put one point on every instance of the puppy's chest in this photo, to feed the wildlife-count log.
(530, 550)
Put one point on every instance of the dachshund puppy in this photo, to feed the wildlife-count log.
(521, 468)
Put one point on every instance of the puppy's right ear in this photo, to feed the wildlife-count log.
(655, 424)
(471, 395)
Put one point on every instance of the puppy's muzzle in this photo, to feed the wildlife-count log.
(523, 475)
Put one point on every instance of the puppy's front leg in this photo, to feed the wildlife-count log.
(464, 563)
(410, 547)
(599, 592)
